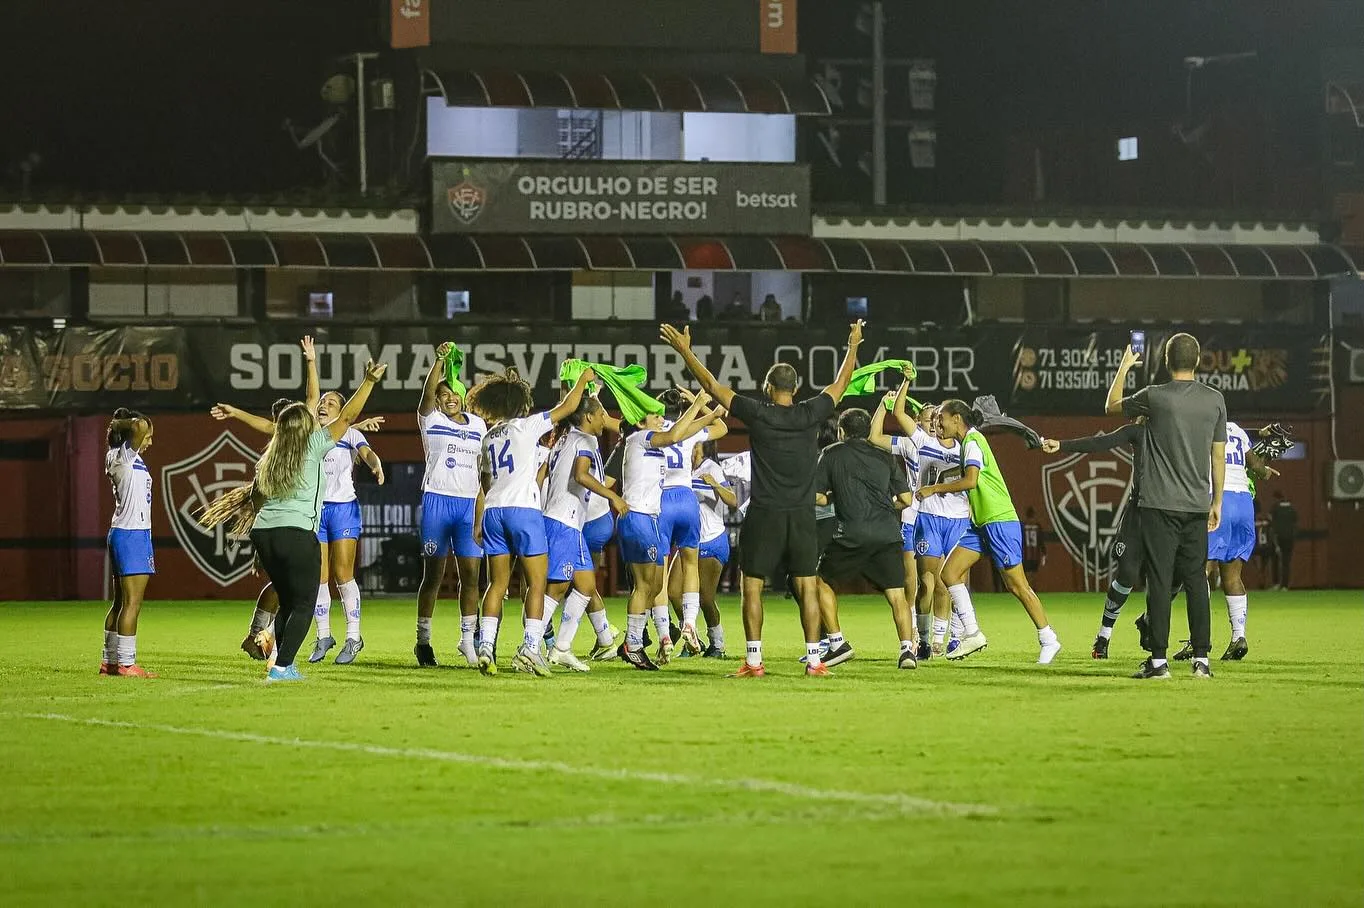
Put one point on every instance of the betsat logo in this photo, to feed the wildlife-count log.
(1086, 497)
(191, 485)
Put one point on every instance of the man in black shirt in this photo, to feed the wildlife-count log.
(780, 524)
(1283, 522)
(868, 489)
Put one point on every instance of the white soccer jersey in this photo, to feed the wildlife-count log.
(940, 462)
(679, 459)
(452, 450)
(907, 448)
(740, 466)
(511, 459)
(338, 468)
(566, 501)
(1238, 448)
(132, 483)
(712, 508)
(644, 468)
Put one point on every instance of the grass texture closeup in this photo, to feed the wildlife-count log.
(992, 781)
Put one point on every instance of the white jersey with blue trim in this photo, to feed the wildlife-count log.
(132, 483)
(678, 457)
(511, 459)
(644, 467)
(565, 500)
(338, 468)
(940, 462)
(452, 451)
(712, 507)
(1238, 448)
(907, 447)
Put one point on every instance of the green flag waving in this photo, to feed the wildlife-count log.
(454, 362)
(624, 383)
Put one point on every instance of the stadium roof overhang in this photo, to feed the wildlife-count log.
(409, 252)
(628, 90)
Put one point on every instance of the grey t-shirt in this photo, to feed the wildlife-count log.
(1183, 420)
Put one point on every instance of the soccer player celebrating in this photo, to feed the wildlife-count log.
(995, 530)
(943, 519)
(575, 475)
(868, 489)
(780, 524)
(714, 494)
(512, 522)
(130, 539)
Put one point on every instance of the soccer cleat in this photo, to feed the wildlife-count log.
(839, 654)
(1148, 672)
(469, 650)
(907, 659)
(134, 671)
(1236, 650)
(279, 673)
(1048, 652)
(818, 671)
(952, 646)
(529, 661)
(639, 658)
(259, 644)
(605, 652)
(937, 649)
(349, 651)
(108, 668)
(487, 659)
(923, 652)
(1185, 654)
(321, 647)
(674, 632)
(973, 643)
(665, 651)
(426, 656)
(1100, 650)
(691, 641)
(1201, 669)
(750, 671)
(566, 659)
(1144, 631)
(714, 652)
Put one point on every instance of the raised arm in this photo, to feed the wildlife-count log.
(565, 407)
(712, 421)
(583, 476)
(371, 459)
(314, 389)
(1093, 444)
(433, 377)
(722, 491)
(683, 428)
(681, 342)
(840, 385)
(350, 412)
(259, 423)
(1130, 360)
(902, 416)
(878, 434)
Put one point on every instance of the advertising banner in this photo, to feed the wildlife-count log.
(409, 23)
(777, 21)
(636, 197)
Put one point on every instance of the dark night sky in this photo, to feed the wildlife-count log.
(155, 95)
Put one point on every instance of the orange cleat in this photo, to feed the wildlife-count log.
(818, 671)
(134, 671)
(107, 668)
(750, 671)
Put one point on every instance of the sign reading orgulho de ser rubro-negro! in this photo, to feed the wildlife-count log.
(634, 197)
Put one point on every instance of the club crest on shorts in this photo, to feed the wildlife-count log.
(921, 547)
(1086, 498)
(429, 548)
(189, 486)
(653, 553)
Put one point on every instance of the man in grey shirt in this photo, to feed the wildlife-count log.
(1180, 493)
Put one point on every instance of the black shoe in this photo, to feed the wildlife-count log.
(1144, 630)
(1236, 650)
(1148, 672)
(907, 659)
(639, 658)
(925, 651)
(648, 639)
(1201, 669)
(1100, 648)
(1185, 654)
(674, 631)
(839, 654)
(714, 652)
(426, 656)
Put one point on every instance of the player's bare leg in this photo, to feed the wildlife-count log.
(648, 580)
(710, 571)
(687, 562)
(433, 575)
(528, 658)
(469, 568)
(1234, 589)
(343, 575)
(259, 642)
(1016, 582)
(955, 570)
(499, 578)
(902, 613)
(128, 602)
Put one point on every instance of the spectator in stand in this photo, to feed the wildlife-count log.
(737, 310)
(705, 308)
(770, 310)
(1283, 522)
(676, 309)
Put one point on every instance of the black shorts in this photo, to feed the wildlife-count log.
(772, 539)
(880, 564)
(825, 527)
(1128, 551)
(1031, 566)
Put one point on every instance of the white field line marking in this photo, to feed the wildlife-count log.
(902, 802)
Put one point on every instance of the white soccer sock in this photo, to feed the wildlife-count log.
(754, 656)
(661, 621)
(1106, 632)
(260, 620)
(691, 608)
(423, 631)
(127, 650)
(1046, 636)
(716, 634)
(811, 655)
(110, 647)
(906, 645)
(939, 629)
(551, 606)
(488, 630)
(534, 633)
(958, 629)
(323, 611)
(924, 623)
(468, 624)
(836, 640)
(350, 600)
(574, 607)
(1236, 614)
(961, 604)
(634, 630)
(602, 625)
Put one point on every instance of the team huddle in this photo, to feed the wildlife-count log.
(833, 501)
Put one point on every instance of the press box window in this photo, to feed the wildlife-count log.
(456, 303)
(318, 303)
(1127, 149)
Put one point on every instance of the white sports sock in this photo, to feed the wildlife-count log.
(717, 636)
(110, 647)
(127, 650)
(1236, 614)
(958, 629)
(691, 608)
(260, 620)
(1046, 636)
(924, 623)
(939, 629)
(468, 624)
(602, 625)
(424, 631)
(488, 630)
(661, 621)
(323, 611)
(534, 633)
(754, 656)
(634, 630)
(574, 607)
(906, 645)
(961, 604)
(836, 640)
(551, 606)
(812, 655)
(1106, 632)
(1157, 663)
(350, 600)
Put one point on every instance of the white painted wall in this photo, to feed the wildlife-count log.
(739, 137)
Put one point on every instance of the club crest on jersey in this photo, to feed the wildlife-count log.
(1086, 498)
(189, 486)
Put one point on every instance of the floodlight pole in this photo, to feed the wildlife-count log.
(360, 118)
(878, 104)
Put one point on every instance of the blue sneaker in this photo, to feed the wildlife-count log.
(288, 673)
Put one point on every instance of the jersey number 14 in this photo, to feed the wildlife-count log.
(501, 459)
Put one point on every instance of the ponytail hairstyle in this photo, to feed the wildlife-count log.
(125, 427)
(961, 409)
(501, 397)
(236, 508)
(674, 404)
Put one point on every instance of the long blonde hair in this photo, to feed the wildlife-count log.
(278, 473)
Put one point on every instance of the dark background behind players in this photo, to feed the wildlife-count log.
(1284, 526)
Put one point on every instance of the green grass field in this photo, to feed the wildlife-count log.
(992, 781)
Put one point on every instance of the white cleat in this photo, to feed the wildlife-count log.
(469, 652)
(529, 661)
(566, 659)
(665, 651)
(691, 641)
(1048, 653)
(972, 644)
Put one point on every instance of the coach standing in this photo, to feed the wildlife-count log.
(1186, 435)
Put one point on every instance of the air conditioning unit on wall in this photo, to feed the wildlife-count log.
(1357, 365)
(1347, 480)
